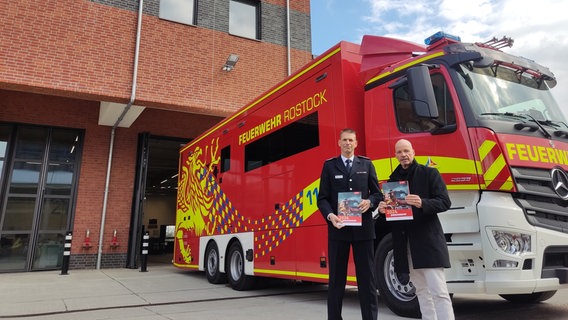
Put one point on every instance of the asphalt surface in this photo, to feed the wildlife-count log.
(165, 292)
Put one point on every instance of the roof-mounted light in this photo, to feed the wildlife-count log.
(440, 35)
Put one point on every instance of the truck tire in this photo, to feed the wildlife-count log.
(236, 269)
(401, 299)
(212, 265)
(528, 297)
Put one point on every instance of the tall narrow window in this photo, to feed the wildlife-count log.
(182, 11)
(243, 18)
(4, 137)
(41, 167)
(226, 159)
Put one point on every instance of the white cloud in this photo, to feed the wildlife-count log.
(465, 10)
(539, 28)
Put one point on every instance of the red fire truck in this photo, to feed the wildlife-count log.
(246, 205)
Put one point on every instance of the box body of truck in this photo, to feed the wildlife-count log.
(253, 178)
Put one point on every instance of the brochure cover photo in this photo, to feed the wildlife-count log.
(395, 192)
(348, 208)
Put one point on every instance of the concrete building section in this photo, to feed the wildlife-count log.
(110, 112)
(73, 67)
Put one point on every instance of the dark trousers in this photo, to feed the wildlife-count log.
(363, 253)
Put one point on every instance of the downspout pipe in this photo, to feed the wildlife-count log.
(288, 37)
(113, 132)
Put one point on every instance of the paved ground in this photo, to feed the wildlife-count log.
(165, 292)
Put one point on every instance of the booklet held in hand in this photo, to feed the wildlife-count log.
(395, 193)
(348, 208)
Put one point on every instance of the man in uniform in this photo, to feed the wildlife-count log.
(350, 173)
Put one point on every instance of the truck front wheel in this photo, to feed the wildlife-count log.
(400, 298)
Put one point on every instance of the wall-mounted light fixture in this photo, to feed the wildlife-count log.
(230, 63)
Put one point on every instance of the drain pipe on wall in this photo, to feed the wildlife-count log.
(113, 132)
(288, 36)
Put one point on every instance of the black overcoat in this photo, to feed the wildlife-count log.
(424, 234)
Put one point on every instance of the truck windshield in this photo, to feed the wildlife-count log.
(505, 93)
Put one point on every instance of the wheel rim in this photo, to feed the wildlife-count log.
(212, 262)
(236, 265)
(398, 290)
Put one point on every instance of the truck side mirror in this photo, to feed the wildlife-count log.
(422, 92)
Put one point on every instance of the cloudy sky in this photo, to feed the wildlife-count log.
(539, 28)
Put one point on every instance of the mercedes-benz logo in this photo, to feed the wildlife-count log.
(559, 182)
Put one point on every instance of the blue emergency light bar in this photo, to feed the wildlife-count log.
(439, 36)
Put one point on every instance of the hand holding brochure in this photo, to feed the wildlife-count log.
(348, 208)
(395, 194)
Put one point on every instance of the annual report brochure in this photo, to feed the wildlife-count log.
(395, 193)
(348, 208)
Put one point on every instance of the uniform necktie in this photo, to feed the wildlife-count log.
(348, 165)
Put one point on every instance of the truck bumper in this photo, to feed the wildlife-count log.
(543, 268)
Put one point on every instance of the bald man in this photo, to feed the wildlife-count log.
(420, 247)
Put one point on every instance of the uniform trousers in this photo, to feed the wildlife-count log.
(432, 292)
(363, 252)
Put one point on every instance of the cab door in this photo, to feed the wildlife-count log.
(441, 142)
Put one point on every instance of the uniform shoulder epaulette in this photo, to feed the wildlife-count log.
(363, 157)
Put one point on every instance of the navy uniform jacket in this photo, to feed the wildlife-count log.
(334, 179)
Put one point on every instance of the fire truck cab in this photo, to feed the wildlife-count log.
(487, 121)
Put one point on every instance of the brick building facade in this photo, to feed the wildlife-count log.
(85, 84)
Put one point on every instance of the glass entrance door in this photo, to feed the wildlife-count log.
(38, 183)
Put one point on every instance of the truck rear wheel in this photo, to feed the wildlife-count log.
(212, 265)
(528, 297)
(400, 298)
(236, 269)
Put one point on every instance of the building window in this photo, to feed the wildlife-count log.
(40, 179)
(243, 18)
(182, 11)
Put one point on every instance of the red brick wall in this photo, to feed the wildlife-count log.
(85, 50)
(302, 6)
(66, 46)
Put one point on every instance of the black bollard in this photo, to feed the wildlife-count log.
(144, 257)
(66, 253)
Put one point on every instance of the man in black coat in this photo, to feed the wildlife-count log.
(419, 244)
(337, 177)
